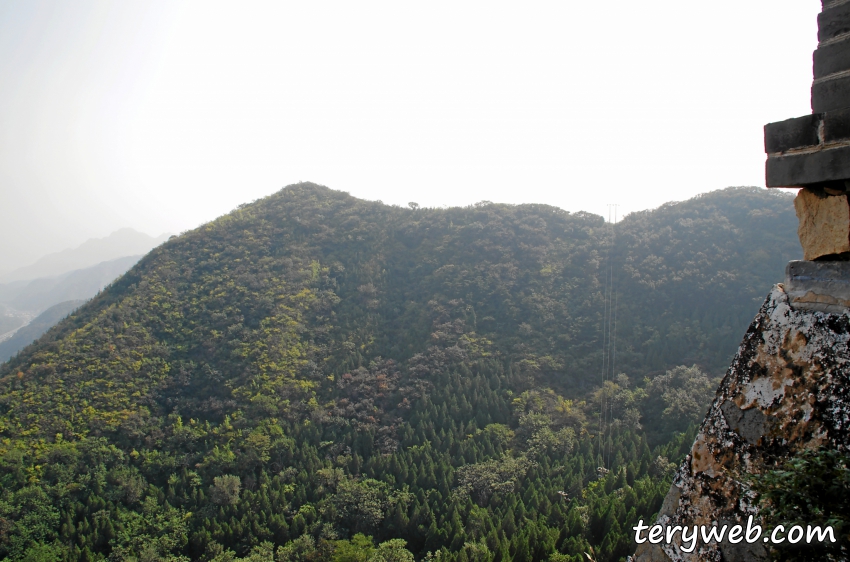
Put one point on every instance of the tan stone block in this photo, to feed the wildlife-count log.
(647, 552)
(824, 223)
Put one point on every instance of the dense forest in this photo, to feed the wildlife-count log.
(317, 377)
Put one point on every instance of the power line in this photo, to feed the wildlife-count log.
(612, 329)
(608, 314)
(603, 403)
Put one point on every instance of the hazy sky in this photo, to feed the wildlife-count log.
(163, 115)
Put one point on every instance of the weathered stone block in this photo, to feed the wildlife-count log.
(829, 59)
(796, 170)
(836, 126)
(785, 392)
(833, 21)
(791, 133)
(648, 552)
(824, 227)
(830, 95)
(823, 286)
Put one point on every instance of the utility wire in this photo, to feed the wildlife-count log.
(607, 360)
(608, 324)
(612, 337)
(603, 402)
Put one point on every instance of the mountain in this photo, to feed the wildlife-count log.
(119, 244)
(341, 379)
(39, 294)
(34, 329)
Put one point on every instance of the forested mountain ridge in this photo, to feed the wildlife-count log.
(312, 366)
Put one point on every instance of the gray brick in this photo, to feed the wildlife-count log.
(831, 59)
(836, 125)
(791, 133)
(808, 169)
(830, 95)
(834, 21)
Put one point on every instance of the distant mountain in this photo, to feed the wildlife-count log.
(51, 299)
(36, 328)
(121, 243)
(40, 294)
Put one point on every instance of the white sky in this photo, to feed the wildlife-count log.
(163, 115)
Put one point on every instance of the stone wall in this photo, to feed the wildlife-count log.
(814, 150)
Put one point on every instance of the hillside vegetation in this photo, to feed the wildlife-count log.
(317, 377)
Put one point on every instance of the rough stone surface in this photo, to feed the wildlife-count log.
(824, 224)
(650, 553)
(788, 389)
(823, 286)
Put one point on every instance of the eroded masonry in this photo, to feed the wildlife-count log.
(788, 388)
